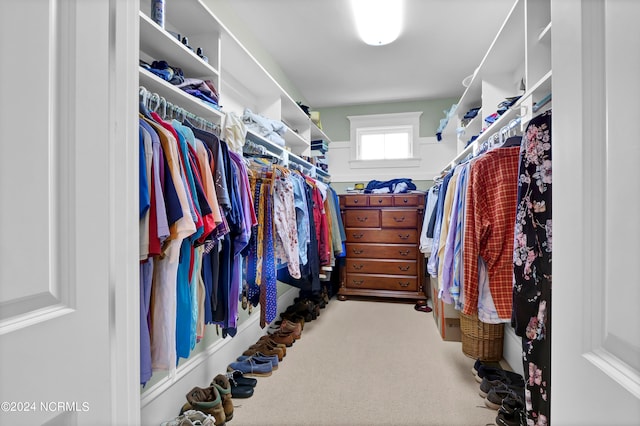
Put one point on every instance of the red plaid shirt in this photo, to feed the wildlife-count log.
(490, 219)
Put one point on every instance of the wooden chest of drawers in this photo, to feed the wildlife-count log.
(383, 233)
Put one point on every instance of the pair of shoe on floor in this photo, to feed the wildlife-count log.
(504, 391)
(191, 418)
(307, 307)
(422, 306)
(261, 358)
(255, 364)
(207, 406)
(288, 331)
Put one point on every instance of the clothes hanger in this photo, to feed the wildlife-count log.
(514, 140)
(144, 96)
(162, 107)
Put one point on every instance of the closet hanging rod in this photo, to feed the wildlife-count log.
(177, 112)
(305, 165)
(542, 102)
(472, 149)
(252, 148)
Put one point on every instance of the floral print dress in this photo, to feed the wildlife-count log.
(531, 315)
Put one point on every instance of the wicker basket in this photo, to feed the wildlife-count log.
(481, 340)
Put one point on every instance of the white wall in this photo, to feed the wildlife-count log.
(431, 157)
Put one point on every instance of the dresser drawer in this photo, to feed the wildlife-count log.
(395, 236)
(381, 200)
(382, 251)
(362, 218)
(381, 266)
(355, 200)
(407, 200)
(398, 218)
(382, 282)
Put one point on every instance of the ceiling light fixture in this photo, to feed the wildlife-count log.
(378, 22)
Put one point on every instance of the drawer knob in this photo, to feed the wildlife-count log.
(358, 267)
(405, 200)
(380, 200)
(404, 284)
(357, 236)
(359, 282)
(362, 219)
(355, 201)
(358, 251)
(404, 268)
(398, 219)
(404, 252)
(403, 237)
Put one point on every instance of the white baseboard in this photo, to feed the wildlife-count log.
(512, 349)
(163, 401)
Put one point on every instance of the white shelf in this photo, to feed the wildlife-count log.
(324, 176)
(318, 134)
(160, 45)
(540, 89)
(240, 79)
(521, 49)
(507, 49)
(297, 143)
(471, 98)
(292, 158)
(272, 147)
(545, 35)
(178, 96)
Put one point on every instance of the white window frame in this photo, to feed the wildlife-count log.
(367, 124)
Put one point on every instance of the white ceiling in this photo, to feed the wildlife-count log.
(316, 45)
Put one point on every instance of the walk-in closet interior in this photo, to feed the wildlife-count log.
(258, 212)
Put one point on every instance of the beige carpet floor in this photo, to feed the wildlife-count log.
(368, 363)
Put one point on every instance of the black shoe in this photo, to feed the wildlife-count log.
(512, 412)
(236, 377)
(498, 378)
(497, 395)
(240, 391)
(494, 373)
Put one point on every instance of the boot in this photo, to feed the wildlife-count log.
(208, 401)
(221, 383)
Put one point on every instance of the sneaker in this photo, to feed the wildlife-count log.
(497, 395)
(512, 412)
(503, 377)
(198, 418)
(487, 370)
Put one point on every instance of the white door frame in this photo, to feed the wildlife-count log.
(595, 350)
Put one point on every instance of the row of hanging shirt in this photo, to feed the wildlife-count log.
(199, 219)
(468, 231)
(491, 246)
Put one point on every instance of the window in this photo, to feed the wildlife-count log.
(384, 140)
(384, 143)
